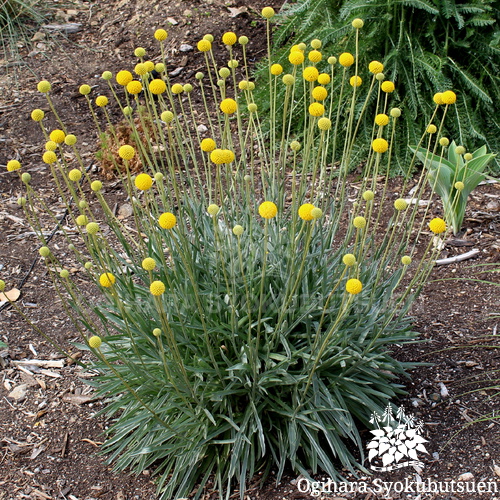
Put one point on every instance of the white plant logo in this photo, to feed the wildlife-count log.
(395, 438)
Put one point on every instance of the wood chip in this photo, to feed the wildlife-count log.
(76, 399)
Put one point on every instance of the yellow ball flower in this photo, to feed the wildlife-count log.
(124, 78)
(359, 222)
(346, 59)
(252, 107)
(449, 97)
(134, 87)
(222, 156)
(381, 120)
(400, 204)
(167, 220)
(316, 213)
(57, 136)
(268, 210)
(380, 145)
(213, 209)
(107, 280)
(26, 177)
(208, 37)
(243, 85)
(349, 260)
(332, 60)
(127, 111)
(44, 86)
(316, 44)
(438, 98)
(353, 286)
(84, 89)
(143, 182)
(375, 67)
(243, 40)
(177, 88)
(437, 225)
(140, 52)
(161, 35)
(157, 288)
(295, 146)
(96, 186)
(82, 220)
(431, 129)
(140, 69)
(208, 145)
(459, 185)
(228, 106)
(156, 332)
(148, 264)
(92, 228)
(70, 140)
(267, 12)
(315, 56)
(102, 101)
(126, 152)
(95, 342)
(44, 251)
(233, 64)
(50, 146)
(238, 230)
(368, 195)
(468, 156)
(324, 123)
(204, 45)
(305, 211)
(75, 175)
(49, 157)
(324, 79)
(149, 65)
(357, 23)
(276, 69)
(310, 74)
(355, 81)
(406, 260)
(37, 115)
(387, 87)
(316, 109)
(159, 67)
(460, 150)
(158, 86)
(229, 38)
(107, 75)
(167, 116)
(288, 79)
(296, 57)
(395, 112)
(13, 165)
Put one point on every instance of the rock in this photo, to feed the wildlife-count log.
(172, 21)
(185, 47)
(18, 393)
(38, 36)
(187, 13)
(201, 128)
(466, 476)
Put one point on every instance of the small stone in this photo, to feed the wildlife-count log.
(187, 13)
(18, 393)
(466, 476)
(172, 21)
(185, 47)
(38, 36)
(201, 128)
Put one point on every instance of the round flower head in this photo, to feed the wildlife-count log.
(87, 265)
(102, 101)
(267, 12)
(380, 77)
(177, 88)
(156, 332)
(107, 75)
(70, 140)
(238, 230)
(381, 120)
(161, 35)
(310, 74)
(375, 67)
(252, 107)
(143, 182)
(44, 251)
(233, 63)
(124, 78)
(243, 85)
(49, 157)
(75, 175)
(355, 81)
(26, 178)
(305, 211)
(468, 156)
(208, 37)
(460, 150)
(349, 260)
(50, 146)
(13, 165)
(387, 87)
(437, 225)
(127, 111)
(158, 177)
(316, 109)
(95, 342)
(316, 213)
(167, 116)
(276, 69)
(406, 260)
(139, 52)
(107, 280)
(353, 286)
(204, 45)
(316, 44)
(157, 86)
(224, 72)
(96, 186)
(228, 106)
(395, 112)
(21, 201)
(57, 136)
(380, 145)
(140, 69)
(82, 220)
(295, 146)
(302, 46)
(332, 60)
(221, 83)
(359, 222)
(357, 23)
(44, 86)
(199, 75)
(159, 67)
(346, 59)
(167, 220)
(315, 56)
(126, 152)
(431, 129)
(268, 210)
(134, 87)
(2, 285)
(368, 195)
(449, 97)
(83, 204)
(148, 264)
(229, 38)
(288, 79)
(296, 48)
(222, 156)
(64, 274)
(213, 209)
(324, 123)
(157, 288)
(243, 40)
(92, 228)
(438, 98)
(208, 145)
(296, 57)
(459, 185)
(37, 115)
(84, 89)
(400, 204)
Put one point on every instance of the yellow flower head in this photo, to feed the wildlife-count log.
(37, 115)
(438, 98)
(159, 67)
(107, 75)
(157, 288)
(44, 251)
(75, 175)
(167, 220)
(26, 177)
(267, 12)
(96, 186)
(228, 106)
(437, 225)
(359, 222)
(13, 165)
(84, 89)
(148, 66)
(375, 67)
(2, 285)
(238, 230)
(381, 120)
(107, 280)
(406, 260)
(400, 204)
(355, 81)
(167, 116)
(295, 146)
(380, 145)
(134, 87)
(244, 85)
(44, 86)
(157, 332)
(70, 140)
(148, 264)
(316, 44)
(50, 146)
(204, 45)
(124, 78)
(268, 210)
(357, 23)
(222, 156)
(208, 145)
(177, 88)
(316, 109)
(82, 220)
(140, 52)
(161, 35)
(368, 195)
(95, 342)
(387, 87)
(288, 79)
(459, 185)
(353, 286)
(346, 59)
(315, 56)
(324, 79)
(229, 38)
(243, 40)
(64, 273)
(310, 74)
(349, 259)
(57, 136)
(395, 112)
(140, 69)
(49, 157)
(305, 211)
(143, 182)
(332, 60)
(157, 86)
(213, 209)
(296, 57)
(233, 63)
(101, 101)
(449, 97)
(316, 213)
(431, 129)
(252, 107)
(468, 157)
(92, 228)
(324, 123)
(208, 37)
(460, 150)
(126, 152)
(276, 69)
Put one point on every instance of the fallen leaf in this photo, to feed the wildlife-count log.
(234, 12)
(11, 295)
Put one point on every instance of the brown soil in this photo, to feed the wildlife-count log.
(49, 439)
